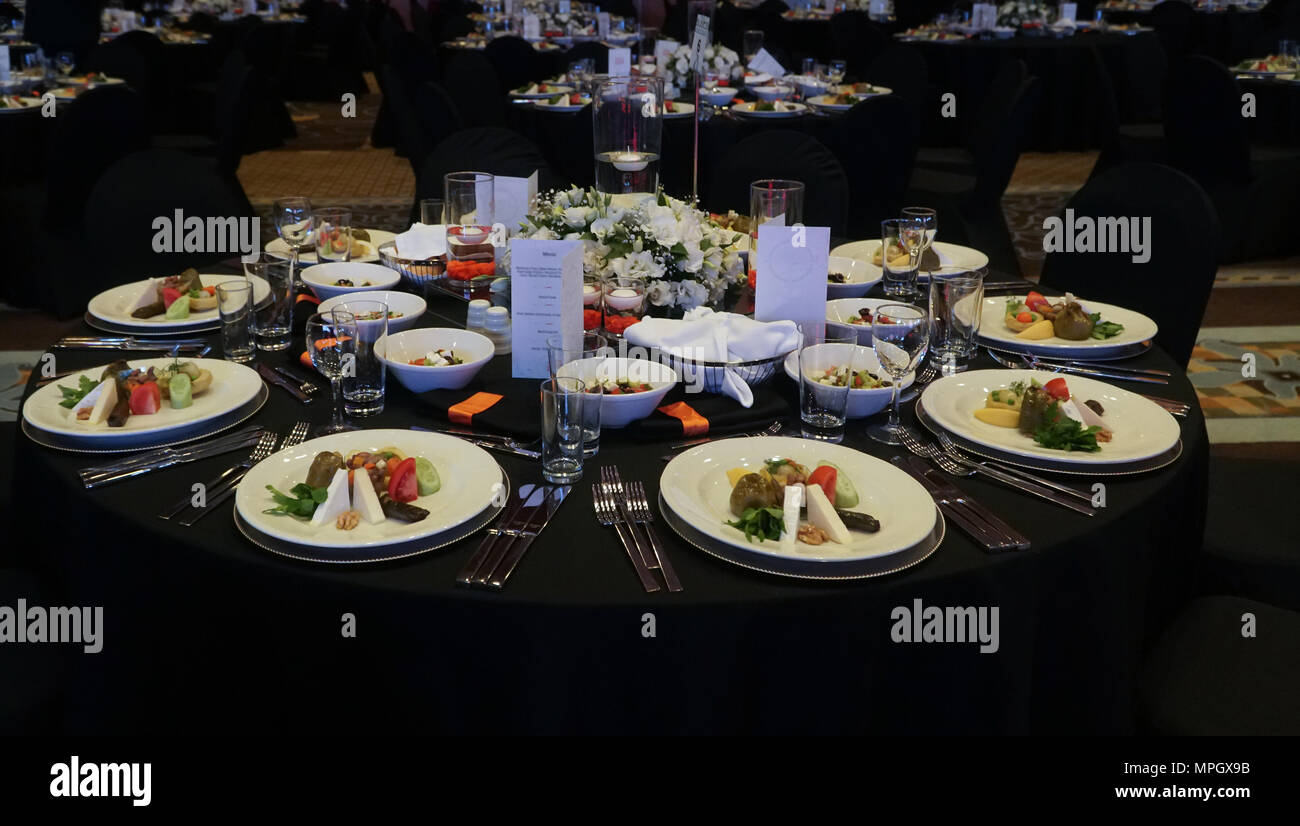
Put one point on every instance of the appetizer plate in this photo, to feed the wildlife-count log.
(1137, 329)
(552, 90)
(471, 482)
(562, 107)
(380, 553)
(862, 402)
(280, 249)
(788, 110)
(801, 569)
(233, 386)
(950, 255)
(695, 487)
(19, 104)
(860, 279)
(679, 110)
(1143, 430)
(112, 307)
(757, 78)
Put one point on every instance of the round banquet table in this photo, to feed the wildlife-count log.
(206, 632)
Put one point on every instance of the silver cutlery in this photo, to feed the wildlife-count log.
(501, 573)
(979, 522)
(291, 387)
(197, 346)
(528, 501)
(297, 435)
(913, 443)
(305, 385)
(612, 483)
(1035, 363)
(927, 374)
(950, 447)
(607, 515)
(771, 430)
(501, 444)
(651, 552)
(94, 477)
(265, 447)
(644, 516)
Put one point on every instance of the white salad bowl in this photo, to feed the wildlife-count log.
(410, 307)
(622, 410)
(398, 349)
(321, 278)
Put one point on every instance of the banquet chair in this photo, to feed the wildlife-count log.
(969, 206)
(902, 69)
(149, 75)
(484, 149)
(227, 137)
(785, 154)
(856, 40)
(422, 25)
(1183, 240)
(986, 124)
(1256, 190)
(436, 113)
(411, 140)
(587, 49)
(31, 690)
(1175, 25)
(120, 213)
(876, 143)
(515, 60)
(473, 83)
(1206, 676)
(1120, 143)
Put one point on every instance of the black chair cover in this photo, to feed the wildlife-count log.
(902, 69)
(1175, 25)
(515, 61)
(474, 85)
(487, 149)
(876, 145)
(857, 40)
(784, 154)
(598, 52)
(1173, 287)
(436, 113)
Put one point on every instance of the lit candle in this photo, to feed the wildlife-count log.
(623, 298)
(590, 294)
(630, 161)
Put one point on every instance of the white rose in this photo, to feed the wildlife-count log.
(544, 234)
(660, 293)
(576, 216)
(682, 65)
(691, 294)
(601, 227)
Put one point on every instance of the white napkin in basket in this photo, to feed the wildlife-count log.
(422, 242)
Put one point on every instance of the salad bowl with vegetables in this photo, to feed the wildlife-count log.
(369, 488)
(435, 358)
(1065, 326)
(342, 277)
(630, 389)
(872, 388)
(1043, 415)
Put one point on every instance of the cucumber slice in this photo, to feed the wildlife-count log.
(426, 476)
(178, 389)
(179, 309)
(846, 496)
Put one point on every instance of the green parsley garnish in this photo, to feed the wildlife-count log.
(71, 396)
(765, 523)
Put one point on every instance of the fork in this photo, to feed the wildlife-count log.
(950, 447)
(926, 375)
(638, 511)
(608, 516)
(264, 447)
(297, 435)
(771, 430)
(304, 385)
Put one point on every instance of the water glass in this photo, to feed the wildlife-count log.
(563, 402)
(835, 71)
(927, 221)
(363, 383)
(331, 342)
(1289, 51)
(773, 201)
(828, 355)
(586, 359)
(274, 322)
(333, 229)
(899, 238)
(235, 306)
(956, 304)
(900, 335)
(751, 43)
(293, 221)
(432, 211)
(469, 198)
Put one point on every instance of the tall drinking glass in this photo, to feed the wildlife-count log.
(332, 341)
(584, 360)
(956, 304)
(363, 385)
(751, 43)
(432, 211)
(470, 198)
(333, 230)
(928, 222)
(899, 238)
(829, 357)
(627, 131)
(900, 335)
(293, 221)
(274, 322)
(235, 306)
(774, 201)
(563, 400)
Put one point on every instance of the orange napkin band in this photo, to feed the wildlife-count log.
(464, 412)
(307, 297)
(693, 424)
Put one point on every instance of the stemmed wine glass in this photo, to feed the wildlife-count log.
(926, 221)
(900, 335)
(332, 343)
(294, 222)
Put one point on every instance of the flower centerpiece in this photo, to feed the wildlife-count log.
(686, 259)
(1020, 13)
(676, 67)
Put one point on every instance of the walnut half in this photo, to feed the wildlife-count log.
(811, 535)
(347, 520)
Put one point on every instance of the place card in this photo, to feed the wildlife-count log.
(764, 62)
(878, 8)
(546, 296)
(791, 264)
(512, 197)
(532, 27)
(1067, 12)
(602, 25)
(508, 7)
(620, 62)
(664, 51)
(4, 64)
(699, 42)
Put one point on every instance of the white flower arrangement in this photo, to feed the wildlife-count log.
(686, 259)
(676, 67)
(1019, 12)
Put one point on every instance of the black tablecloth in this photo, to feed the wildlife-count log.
(205, 632)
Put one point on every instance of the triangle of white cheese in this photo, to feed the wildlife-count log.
(148, 295)
(364, 499)
(336, 501)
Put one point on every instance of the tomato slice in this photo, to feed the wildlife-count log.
(145, 399)
(402, 484)
(1056, 389)
(170, 294)
(1035, 300)
(825, 477)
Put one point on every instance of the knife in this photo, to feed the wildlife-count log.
(271, 377)
(506, 567)
(528, 499)
(1034, 488)
(1091, 371)
(485, 442)
(531, 521)
(984, 526)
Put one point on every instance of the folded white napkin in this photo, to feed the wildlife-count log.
(704, 335)
(422, 241)
(764, 62)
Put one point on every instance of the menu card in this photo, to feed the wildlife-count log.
(508, 7)
(4, 64)
(1067, 12)
(764, 62)
(512, 198)
(984, 16)
(602, 24)
(620, 62)
(791, 264)
(546, 294)
(699, 42)
(532, 27)
(878, 8)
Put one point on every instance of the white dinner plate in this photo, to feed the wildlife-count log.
(112, 306)
(1142, 428)
(280, 249)
(233, 385)
(555, 89)
(950, 255)
(828, 103)
(789, 110)
(695, 487)
(757, 79)
(994, 330)
(680, 110)
(562, 107)
(470, 477)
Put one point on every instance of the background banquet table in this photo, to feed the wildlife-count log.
(206, 632)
